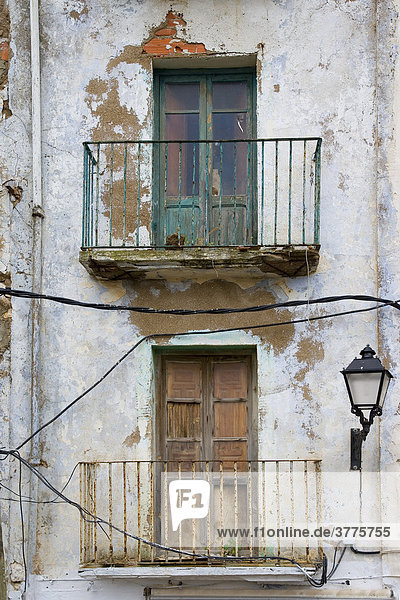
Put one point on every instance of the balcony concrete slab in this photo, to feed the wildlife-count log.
(148, 576)
(183, 263)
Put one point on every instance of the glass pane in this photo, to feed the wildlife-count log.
(183, 159)
(182, 96)
(230, 160)
(229, 95)
(182, 127)
(229, 126)
(385, 385)
(364, 387)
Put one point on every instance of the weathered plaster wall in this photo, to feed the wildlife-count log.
(388, 204)
(15, 252)
(316, 69)
(314, 98)
(5, 340)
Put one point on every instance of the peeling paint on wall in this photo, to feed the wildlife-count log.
(76, 9)
(133, 438)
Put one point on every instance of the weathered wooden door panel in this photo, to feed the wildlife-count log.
(205, 410)
(230, 380)
(183, 419)
(228, 222)
(184, 218)
(231, 413)
(232, 454)
(184, 380)
(230, 419)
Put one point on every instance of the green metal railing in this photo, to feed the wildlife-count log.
(192, 193)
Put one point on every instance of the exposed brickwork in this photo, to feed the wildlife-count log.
(4, 59)
(165, 41)
(166, 31)
(4, 50)
(170, 46)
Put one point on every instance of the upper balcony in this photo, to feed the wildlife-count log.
(185, 209)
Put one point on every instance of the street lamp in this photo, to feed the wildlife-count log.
(367, 383)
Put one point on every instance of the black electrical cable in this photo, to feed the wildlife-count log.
(324, 572)
(333, 562)
(324, 577)
(91, 518)
(25, 498)
(28, 499)
(208, 311)
(186, 333)
(58, 415)
(364, 551)
(335, 566)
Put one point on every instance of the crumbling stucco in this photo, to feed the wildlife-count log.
(133, 438)
(203, 296)
(76, 9)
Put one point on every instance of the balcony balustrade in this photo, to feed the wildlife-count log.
(152, 207)
(248, 500)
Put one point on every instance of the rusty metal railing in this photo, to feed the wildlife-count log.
(252, 498)
(197, 193)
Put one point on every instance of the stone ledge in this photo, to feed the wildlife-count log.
(183, 263)
(150, 575)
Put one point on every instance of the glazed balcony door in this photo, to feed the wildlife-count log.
(206, 190)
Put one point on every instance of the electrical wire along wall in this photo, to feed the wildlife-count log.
(219, 193)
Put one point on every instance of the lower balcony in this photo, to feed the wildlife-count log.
(206, 514)
(187, 209)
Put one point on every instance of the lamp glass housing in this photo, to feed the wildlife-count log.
(385, 384)
(367, 382)
(364, 388)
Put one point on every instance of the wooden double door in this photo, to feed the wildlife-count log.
(206, 411)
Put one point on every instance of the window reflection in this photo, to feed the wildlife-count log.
(182, 96)
(229, 159)
(182, 159)
(229, 95)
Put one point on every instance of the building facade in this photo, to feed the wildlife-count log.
(182, 159)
